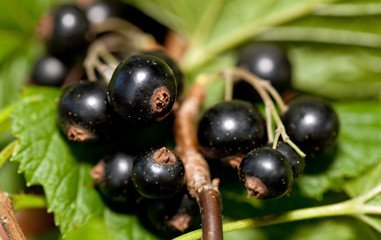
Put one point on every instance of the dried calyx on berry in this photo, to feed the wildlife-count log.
(143, 89)
(158, 173)
(265, 173)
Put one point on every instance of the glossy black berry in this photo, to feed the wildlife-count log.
(169, 217)
(102, 10)
(143, 89)
(158, 173)
(84, 113)
(113, 175)
(173, 65)
(265, 173)
(230, 128)
(296, 161)
(49, 71)
(267, 61)
(311, 123)
(70, 30)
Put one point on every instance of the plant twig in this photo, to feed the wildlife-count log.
(196, 168)
(8, 220)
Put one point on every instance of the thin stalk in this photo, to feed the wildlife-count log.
(6, 153)
(276, 96)
(258, 84)
(228, 86)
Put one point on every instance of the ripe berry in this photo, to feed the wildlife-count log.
(158, 173)
(230, 128)
(143, 89)
(311, 123)
(49, 71)
(100, 11)
(296, 161)
(169, 217)
(173, 65)
(267, 61)
(65, 30)
(113, 175)
(265, 173)
(84, 113)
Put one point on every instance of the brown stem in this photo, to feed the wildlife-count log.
(196, 168)
(8, 220)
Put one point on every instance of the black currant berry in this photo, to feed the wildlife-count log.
(169, 217)
(102, 10)
(65, 29)
(311, 123)
(296, 161)
(265, 173)
(49, 71)
(267, 61)
(173, 65)
(158, 173)
(84, 113)
(143, 89)
(230, 128)
(113, 175)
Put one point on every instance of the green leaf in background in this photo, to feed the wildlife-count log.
(18, 48)
(215, 26)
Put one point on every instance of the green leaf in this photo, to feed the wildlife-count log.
(217, 26)
(357, 149)
(125, 227)
(337, 72)
(46, 159)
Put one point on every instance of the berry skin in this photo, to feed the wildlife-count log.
(84, 113)
(311, 123)
(102, 10)
(169, 217)
(113, 175)
(173, 65)
(158, 173)
(267, 61)
(230, 128)
(143, 89)
(69, 30)
(265, 173)
(49, 71)
(296, 161)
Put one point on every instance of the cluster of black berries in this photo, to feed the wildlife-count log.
(235, 131)
(141, 93)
